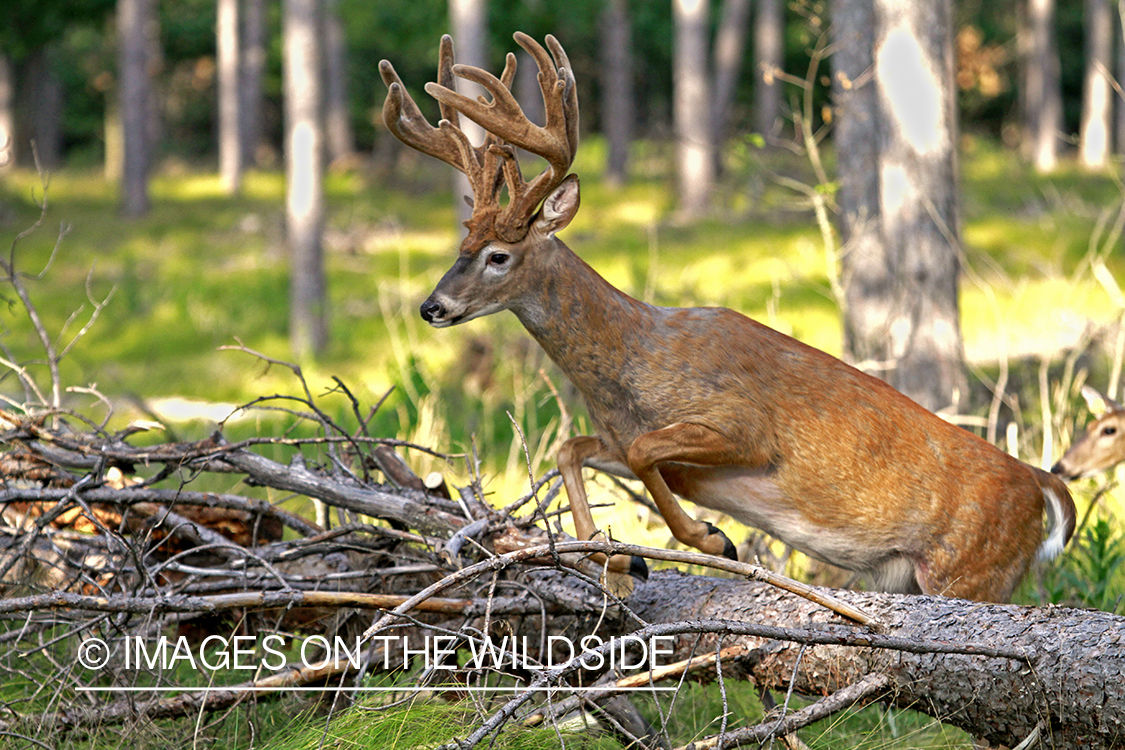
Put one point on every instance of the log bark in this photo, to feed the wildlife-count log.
(1070, 684)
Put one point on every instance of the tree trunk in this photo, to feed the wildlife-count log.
(1044, 87)
(468, 24)
(38, 111)
(338, 117)
(7, 112)
(1119, 119)
(304, 176)
(46, 108)
(868, 289)
(527, 90)
(231, 159)
(1072, 686)
(155, 67)
(730, 43)
(695, 161)
(617, 88)
(134, 94)
(1097, 106)
(769, 53)
(251, 74)
(917, 182)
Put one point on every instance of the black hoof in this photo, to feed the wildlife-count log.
(638, 568)
(729, 550)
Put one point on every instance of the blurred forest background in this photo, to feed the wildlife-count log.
(167, 131)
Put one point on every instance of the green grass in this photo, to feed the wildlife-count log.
(691, 716)
(420, 724)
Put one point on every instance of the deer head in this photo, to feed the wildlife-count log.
(500, 236)
(1102, 446)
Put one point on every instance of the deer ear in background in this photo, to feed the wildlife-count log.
(1097, 402)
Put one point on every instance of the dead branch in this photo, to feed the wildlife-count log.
(868, 689)
(222, 602)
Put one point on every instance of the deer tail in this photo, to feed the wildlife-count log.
(1060, 515)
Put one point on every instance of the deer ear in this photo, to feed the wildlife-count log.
(1098, 403)
(559, 207)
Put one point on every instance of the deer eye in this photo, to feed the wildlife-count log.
(1109, 430)
(498, 259)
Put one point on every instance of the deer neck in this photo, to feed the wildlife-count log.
(583, 323)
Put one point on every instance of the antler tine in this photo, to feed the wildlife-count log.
(407, 123)
(504, 117)
(445, 76)
(570, 96)
(493, 164)
(509, 73)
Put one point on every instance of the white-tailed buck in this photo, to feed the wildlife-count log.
(1102, 446)
(710, 405)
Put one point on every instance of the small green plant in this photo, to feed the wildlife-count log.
(1092, 574)
(420, 724)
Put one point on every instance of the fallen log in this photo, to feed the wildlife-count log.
(1070, 687)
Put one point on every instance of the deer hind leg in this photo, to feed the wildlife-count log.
(573, 455)
(689, 444)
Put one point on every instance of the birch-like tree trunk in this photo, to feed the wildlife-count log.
(46, 107)
(769, 53)
(1043, 97)
(468, 23)
(918, 212)
(304, 176)
(229, 62)
(1097, 104)
(691, 108)
(730, 46)
(7, 112)
(251, 75)
(337, 113)
(616, 59)
(1119, 62)
(868, 289)
(134, 94)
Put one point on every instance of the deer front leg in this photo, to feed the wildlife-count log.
(689, 444)
(573, 455)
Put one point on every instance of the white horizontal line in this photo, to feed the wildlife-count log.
(417, 689)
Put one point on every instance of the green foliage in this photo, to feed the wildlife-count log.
(418, 724)
(1091, 572)
(693, 713)
(26, 25)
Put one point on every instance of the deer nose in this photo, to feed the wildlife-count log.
(431, 309)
